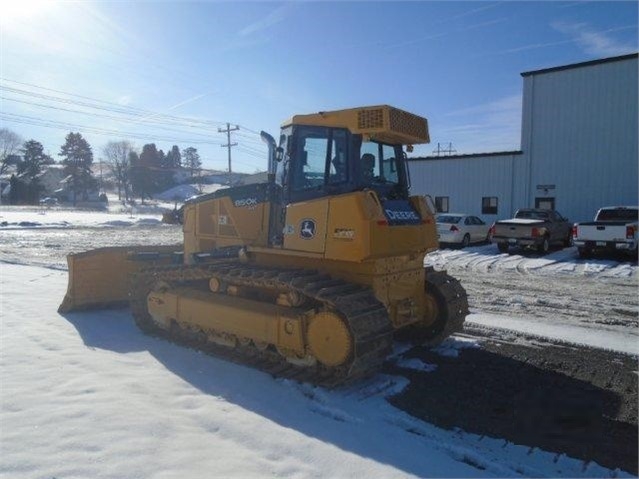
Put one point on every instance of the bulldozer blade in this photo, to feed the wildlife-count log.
(99, 278)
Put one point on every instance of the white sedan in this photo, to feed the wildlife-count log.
(461, 229)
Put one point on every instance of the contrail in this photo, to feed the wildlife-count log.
(154, 115)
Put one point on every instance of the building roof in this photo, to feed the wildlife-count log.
(469, 155)
(581, 64)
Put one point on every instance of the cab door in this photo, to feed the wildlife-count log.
(318, 169)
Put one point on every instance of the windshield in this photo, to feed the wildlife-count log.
(323, 160)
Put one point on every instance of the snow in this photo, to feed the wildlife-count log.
(183, 192)
(452, 346)
(88, 395)
(485, 258)
(624, 342)
(58, 218)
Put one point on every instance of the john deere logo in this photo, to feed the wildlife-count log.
(307, 229)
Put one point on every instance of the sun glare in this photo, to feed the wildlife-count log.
(24, 10)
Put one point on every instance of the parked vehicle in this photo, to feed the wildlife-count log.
(308, 279)
(461, 229)
(49, 201)
(532, 228)
(614, 229)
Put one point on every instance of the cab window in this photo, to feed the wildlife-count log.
(322, 158)
(378, 163)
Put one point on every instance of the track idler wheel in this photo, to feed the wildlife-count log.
(329, 339)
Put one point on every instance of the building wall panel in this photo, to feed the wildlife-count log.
(465, 181)
(579, 133)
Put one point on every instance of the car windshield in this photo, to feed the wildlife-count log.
(448, 219)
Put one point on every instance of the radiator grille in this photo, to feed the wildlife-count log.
(408, 124)
(370, 119)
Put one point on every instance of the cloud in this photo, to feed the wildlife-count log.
(593, 42)
(507, 104)
(270, 20)
(491, 126)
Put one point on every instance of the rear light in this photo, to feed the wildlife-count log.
(535, 232)
(630, 232)
(574, 231)
(454, 228)
(491, 231)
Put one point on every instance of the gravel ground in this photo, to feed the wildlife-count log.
(576, 401)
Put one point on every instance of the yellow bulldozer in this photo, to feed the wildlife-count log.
(308, 275)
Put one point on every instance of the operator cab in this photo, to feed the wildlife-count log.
(321, 161)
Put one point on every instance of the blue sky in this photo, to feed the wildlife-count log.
(257, 63)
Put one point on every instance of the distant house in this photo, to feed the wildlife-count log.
(50, 179)
(65, 191)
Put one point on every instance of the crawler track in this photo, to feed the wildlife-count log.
(453, 302)
(365, 316)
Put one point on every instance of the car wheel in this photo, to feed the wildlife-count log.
(466, 241)
(544, 246)
(502, 247)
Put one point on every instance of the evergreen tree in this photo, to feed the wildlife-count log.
(33, 159)
(77, 161)
(145, 170)
(173, 157)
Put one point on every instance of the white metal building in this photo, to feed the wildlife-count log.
(578, 149)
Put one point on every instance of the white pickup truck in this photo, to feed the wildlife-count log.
(614, 229)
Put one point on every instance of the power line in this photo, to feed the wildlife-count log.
(29, 120)
(110, 117)
(122, 108)
(179, 121)
(152, 119)
(254, 154)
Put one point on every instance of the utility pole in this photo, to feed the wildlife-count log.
(229, 145)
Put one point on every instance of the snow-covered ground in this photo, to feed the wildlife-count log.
(88, 395)
(564, 262)
(594, 302)
(17, 218)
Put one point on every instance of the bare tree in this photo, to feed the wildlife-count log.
(10, 143)
(191, 160)
(117, 154)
